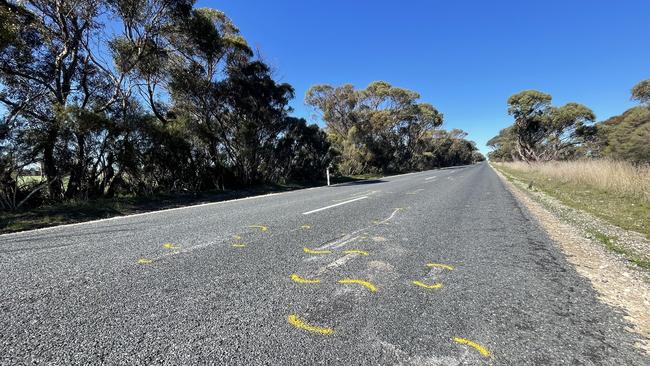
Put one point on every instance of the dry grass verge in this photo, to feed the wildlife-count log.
(615, 191)
(617, 177)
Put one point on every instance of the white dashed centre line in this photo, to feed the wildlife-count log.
(331, 206)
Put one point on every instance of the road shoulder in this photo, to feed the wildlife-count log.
(618, 282)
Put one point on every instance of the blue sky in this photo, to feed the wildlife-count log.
(464, 57)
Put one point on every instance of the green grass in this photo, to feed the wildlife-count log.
(610, 243)
(28, 179)
(625, 211)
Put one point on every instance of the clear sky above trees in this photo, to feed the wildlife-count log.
(465, 58)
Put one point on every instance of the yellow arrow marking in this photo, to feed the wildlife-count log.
(170, 246)
(261, 227)
(355, 251)
(298, 279)
(300, 324)
(239, 245)
(236, 237)
(439, 265)
(144, 261)
(484, 351)
(305, 227)
(312, 251)
(365, 284)
(422, 284)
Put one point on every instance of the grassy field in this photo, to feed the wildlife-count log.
(617, 192)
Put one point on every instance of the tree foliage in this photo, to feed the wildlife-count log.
(626, 137)
(381, 128)
(543, 132)
(641, 92)
(173, 101)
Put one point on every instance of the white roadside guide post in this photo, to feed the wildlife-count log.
(327, 171)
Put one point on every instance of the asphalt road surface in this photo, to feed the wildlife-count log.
(435, 268)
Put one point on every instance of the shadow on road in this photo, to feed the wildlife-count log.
(362, 182)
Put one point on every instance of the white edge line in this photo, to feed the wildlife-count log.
(337, 204)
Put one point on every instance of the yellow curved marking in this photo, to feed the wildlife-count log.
(144, 261)
(236, 237)
(170, 246)
(305, 227)
(261, 227)
(365, 284)
(312, 251)
(239, 245)
(300, 324)
(422, 284)
(298, 279)
(440, 265)
(484, 351)
(355, 251)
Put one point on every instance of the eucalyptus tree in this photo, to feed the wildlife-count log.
(50, 83)
(376, 129)
(543, 132)
(641, 92)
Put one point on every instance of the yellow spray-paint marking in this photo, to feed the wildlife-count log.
(440, 265)
(365, 284)
(236, 237)
(484, 351)
(305, 227)
(298, 279)
(355, 251)
(301, 324)
(239, 245)
(144, 261)
(261, 227)
(170, 246)
(312, 251)
(422, 284)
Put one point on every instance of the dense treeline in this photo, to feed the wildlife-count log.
(170, 98)
(384, 129)
(542, 132)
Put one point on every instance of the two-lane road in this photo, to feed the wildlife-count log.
(434, 268)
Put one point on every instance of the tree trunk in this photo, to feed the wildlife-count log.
(49, 165)
(77, 174)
